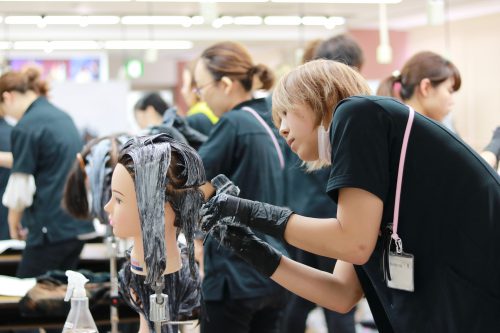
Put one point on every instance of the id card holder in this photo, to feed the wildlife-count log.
(401, 269)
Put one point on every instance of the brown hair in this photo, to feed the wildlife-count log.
(233, 60)
(310, 50)
(75, 191)
(28, 79)
(423, 65)
(319, 85)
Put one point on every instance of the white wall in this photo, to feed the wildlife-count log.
(474, 47)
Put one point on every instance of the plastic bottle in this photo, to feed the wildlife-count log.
(79, 319)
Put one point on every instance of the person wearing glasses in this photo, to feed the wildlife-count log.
(243, 147)
(199, 115)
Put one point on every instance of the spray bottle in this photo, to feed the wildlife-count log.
(79, 319)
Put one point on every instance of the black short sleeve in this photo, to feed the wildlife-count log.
(24, 151)
(360, 148)
(218, 151)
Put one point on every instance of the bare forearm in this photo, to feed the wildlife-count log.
(350, 237)
(339, 294)
(6, 160)
(15, 227)
(325, 237)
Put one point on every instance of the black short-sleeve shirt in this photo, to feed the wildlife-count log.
(5, 131)
(241, 148)
(45, 142)
(449, 216)
(200, 122)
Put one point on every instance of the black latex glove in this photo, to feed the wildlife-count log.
(257, 215)
(494, 145)
(246, 245)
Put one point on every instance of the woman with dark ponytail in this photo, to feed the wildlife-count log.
(244, 148)
(44, 144)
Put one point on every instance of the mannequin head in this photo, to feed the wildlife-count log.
(18, 90)
(155, 194)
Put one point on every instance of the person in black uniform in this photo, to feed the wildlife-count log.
(312, 200)
(45, 142)
(5, 130)
(243, 147)
(435, 269)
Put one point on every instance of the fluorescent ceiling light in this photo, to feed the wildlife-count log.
(23, 20)
(197, 20)
(62, 20)
(204, 1)
(224, 20)
(314, 20)
(340, 1)
(63, 0)
(5, 45)
(56, 45)
(148, 44)
(247, 20)
(282, 20)
(157, 20)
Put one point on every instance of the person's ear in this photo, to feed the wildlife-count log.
(424, 87)
(228, 84)
(6, 96)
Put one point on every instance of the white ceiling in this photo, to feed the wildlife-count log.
(402, 16)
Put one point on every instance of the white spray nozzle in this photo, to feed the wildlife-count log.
(76, 285)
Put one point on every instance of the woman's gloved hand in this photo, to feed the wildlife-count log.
(260, 216)
(246, 245)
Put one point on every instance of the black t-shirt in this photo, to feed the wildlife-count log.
(449, 215)
(45, 142)
(241, 148)
(200, 122)
(5, 130)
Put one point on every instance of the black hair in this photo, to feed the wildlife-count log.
(341, 48)
(152, 99)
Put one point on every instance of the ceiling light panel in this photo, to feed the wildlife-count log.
(282, 20)
(156, 20)
(148, 44)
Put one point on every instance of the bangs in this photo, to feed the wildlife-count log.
(283, 98)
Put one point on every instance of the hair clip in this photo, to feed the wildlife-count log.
(79, 157)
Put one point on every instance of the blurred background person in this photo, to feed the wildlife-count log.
(44, 142)
(5, 165)
(427, 82)
(243, 147)
(199, 115)
(149, 110)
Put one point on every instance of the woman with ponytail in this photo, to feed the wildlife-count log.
(44, 144)
(244, 148)
(426, 82)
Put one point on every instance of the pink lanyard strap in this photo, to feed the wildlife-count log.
(270, 132)
(402, 157)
